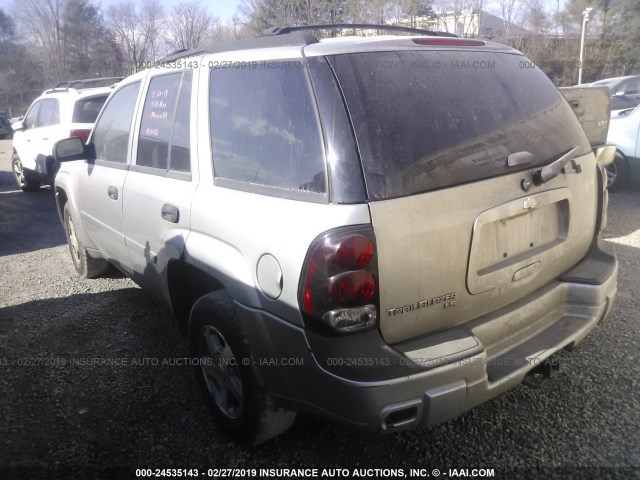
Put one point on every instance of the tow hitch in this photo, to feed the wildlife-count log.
(550, 367)
(547, 369)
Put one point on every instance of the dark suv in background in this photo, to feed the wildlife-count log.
(5, 127)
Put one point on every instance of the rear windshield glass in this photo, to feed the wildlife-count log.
(86, 110)
(431, 119)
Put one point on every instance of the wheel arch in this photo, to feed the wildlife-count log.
(187, 283)
(61, 200)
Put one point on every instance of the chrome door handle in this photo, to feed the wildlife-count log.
(170, 213)
(113, 193)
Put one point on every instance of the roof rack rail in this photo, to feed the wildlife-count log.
(293, 40)
(72, 83)
(356, 26)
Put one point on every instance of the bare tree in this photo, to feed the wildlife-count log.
(152, 23)
(509, 10)
(190, 25)
(136, 31)
(43, 20)
(538, 19)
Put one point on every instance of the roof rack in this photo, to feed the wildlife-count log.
(353, 26)
(73, 83)
(293, 40)
(288, 37)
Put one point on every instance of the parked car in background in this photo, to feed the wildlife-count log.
(5, 127)
(416, 240)
(592, 106)
(68, 110)
(623, 133)
(625, 91)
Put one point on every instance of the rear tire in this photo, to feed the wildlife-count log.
(25, 183)
(229, 381)
(85, 264)
(617, 172)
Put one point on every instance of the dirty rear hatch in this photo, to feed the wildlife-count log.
(449, 142)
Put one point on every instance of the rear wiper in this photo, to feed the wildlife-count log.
(553, 169)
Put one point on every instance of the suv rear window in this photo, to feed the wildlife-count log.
(431, 119)
(86, 110)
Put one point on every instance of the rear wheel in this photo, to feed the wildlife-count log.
(85, 264)
(617, 172)
(225, 371)
(25, 183)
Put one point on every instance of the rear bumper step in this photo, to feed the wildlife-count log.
(536, 350)
(461, 368)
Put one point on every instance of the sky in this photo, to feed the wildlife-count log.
(223, 9)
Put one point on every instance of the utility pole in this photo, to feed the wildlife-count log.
(585, 20)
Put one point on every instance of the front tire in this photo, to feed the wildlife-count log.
(617, 172)
(229, 381)
(85, 264)
(25, 183)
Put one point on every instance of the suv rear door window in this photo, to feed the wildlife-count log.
(264, 127)
(165, 123)
(431, 119)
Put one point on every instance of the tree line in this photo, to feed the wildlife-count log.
(43, 42)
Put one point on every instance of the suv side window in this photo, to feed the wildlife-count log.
(180, 159)
(264, 127)
(112, 132)
(630, 87)
(32, 117)
(164, 131)
(49, 113)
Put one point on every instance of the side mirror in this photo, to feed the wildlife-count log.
(18, 126)
(619, 94)
(69, 149)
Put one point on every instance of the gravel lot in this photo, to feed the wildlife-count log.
(62, 421)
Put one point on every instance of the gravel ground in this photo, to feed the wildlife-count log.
(62, 421)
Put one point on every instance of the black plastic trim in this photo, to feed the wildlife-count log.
(275, 31)
(292, 40)
(595, 268)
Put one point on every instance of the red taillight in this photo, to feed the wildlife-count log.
(354, 252)
(448, 41)
(338, 286)
(352, 288)
(82, 134)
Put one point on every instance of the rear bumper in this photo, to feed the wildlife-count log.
(448, 373)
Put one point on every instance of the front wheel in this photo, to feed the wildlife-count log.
(85, 264)
(25, 183)
(226, 374)
(617, 172)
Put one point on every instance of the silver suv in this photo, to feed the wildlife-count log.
(68, 110)
(385, 230)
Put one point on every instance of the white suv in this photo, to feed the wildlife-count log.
(61, 112)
